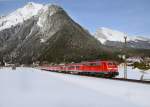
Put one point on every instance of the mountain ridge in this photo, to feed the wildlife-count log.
(116, 38)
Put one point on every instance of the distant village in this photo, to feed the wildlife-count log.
(129, 61)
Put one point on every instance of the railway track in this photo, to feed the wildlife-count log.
(119, 79)
(130, 80)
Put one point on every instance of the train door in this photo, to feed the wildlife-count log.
(103, 67)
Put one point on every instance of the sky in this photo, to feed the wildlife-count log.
(128, 16)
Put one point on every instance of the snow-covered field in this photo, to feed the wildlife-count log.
(29, 87)
(133, 73)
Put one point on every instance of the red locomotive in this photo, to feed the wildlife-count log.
(101, 68)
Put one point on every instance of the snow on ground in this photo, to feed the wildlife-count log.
(29, 87)
(133, 73)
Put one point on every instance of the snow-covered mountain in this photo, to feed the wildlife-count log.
(115, 38)
(105, 34)
(20, 15)
(44, 32)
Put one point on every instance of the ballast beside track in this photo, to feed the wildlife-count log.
(130, 80)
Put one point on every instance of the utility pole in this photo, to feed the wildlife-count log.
(125, 63)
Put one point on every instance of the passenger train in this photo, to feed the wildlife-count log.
(99, 68)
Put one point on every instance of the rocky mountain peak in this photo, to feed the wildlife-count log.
(31, 5)
(50, 36)
(49, 15)
(54, 8)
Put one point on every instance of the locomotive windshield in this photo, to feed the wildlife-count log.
(91, 63)
(111, 64)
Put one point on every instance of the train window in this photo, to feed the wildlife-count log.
(94, 64)
(110, 64)
(77, 67)
(85, 64)
(71, 67)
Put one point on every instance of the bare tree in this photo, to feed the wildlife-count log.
(143, 66)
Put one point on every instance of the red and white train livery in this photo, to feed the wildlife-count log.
(102, 68)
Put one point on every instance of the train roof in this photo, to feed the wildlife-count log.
(96, 61)
(83, 62)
